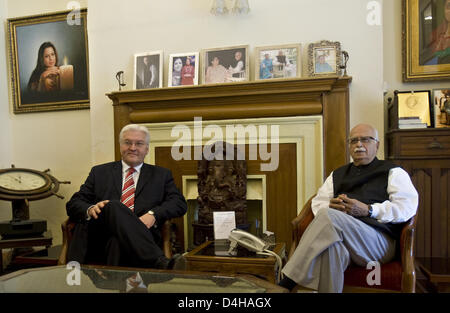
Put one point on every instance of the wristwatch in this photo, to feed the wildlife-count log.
(369, 214)
(151, 212)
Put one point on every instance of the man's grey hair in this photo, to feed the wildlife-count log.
(376, 133)
(135, 127)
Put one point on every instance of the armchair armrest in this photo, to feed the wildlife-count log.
(67, 231)
(300, 223)
(166, 235)
(407, 255)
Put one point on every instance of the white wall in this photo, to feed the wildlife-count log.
(5, 121)
(117, 30)
(70, 142)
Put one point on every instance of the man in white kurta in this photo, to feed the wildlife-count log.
(357, 215)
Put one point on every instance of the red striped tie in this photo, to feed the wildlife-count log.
(128, 190)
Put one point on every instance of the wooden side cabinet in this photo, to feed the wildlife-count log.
(425, 155)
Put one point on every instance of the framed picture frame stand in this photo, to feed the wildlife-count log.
(324, 58)
(283, 61)
(148, 70)
(183, 69)
(225, 65)
(410, 109)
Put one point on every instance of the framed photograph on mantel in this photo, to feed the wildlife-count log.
(148, 70)
(415, 104)
(183, 69)
(49, 64)
(278, 62)
(324, 58)
(225, 65)
(426, 40)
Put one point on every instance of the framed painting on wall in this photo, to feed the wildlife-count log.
(426, 40)
(278, 62)
(49, 63)
(148, 70)
(225, 65)
(183, 69)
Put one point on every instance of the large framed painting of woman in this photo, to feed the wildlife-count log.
(426, 40)
(49, 64)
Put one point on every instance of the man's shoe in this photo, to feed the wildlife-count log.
(174, 260)
(163, 263)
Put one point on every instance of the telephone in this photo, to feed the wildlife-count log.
(246, 240)
(252, 243)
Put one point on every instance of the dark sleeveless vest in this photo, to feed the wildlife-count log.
(368, 184)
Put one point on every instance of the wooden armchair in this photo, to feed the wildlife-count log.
(397, 275)
(68, 226)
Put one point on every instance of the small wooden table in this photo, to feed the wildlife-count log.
(203, 258)
(44, 240)
(437, 272)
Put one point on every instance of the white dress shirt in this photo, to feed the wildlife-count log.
(136, 173)
(125, 168)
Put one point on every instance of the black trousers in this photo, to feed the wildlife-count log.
(116, 238)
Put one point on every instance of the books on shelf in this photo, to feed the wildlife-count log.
(410, 122)
(414, 125)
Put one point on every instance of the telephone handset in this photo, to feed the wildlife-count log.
(246, 240)
(252, 243)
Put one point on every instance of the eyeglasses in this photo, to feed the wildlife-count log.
(366, 139)
(138, 144)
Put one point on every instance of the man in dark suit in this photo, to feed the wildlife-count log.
(120, 207)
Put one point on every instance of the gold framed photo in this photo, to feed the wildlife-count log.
(425, 42)
(225, 65)
(416, 104)
(48, 56)
(282, 61)
(324, 58)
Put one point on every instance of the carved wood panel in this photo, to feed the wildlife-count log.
(281, 187)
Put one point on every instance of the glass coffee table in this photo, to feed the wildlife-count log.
(102, 279)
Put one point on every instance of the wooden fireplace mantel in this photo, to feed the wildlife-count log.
(327, 96)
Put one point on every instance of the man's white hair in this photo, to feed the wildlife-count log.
(135, 127)
(375, 131)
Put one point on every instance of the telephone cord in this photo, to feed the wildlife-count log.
(279, 261)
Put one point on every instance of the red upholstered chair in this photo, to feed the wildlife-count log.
(397, 275)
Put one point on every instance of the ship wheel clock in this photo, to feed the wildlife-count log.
(21, 185)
